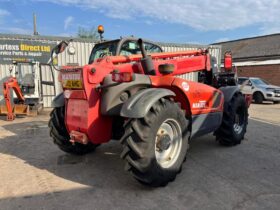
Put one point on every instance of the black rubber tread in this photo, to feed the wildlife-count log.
(139, 143)
(258, 97)
(61, 136)
(226, 135)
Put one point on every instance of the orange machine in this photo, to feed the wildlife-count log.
(146, 102)
(11, 110)
(27, 84)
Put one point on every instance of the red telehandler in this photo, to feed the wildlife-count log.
(141, 101)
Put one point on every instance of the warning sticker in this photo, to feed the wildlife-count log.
(185, 86)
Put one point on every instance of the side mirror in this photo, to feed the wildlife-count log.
(57, 50)
(60, 47)
(228, 61)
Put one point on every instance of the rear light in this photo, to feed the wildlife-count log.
(123, 76)
(228, 61)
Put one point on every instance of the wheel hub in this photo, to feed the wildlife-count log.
(238, 121)
(168, 143)
(163, 142)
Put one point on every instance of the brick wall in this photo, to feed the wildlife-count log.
(270, 73)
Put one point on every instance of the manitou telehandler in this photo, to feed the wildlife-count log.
(141, 101)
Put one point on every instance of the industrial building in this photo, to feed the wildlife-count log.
(256, 56)
(37, 48)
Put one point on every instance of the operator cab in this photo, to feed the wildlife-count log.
(123, 46)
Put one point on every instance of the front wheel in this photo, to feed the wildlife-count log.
(258, 97)
(234, 122)
(155, 146)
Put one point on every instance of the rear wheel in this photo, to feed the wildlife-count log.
(234, 122)
(155, 146)
(258, 97)
(61, 136)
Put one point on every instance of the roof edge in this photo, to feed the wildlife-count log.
(59, 38)
(248, 38)
(43, 37)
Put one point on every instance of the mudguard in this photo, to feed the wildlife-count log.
(140, 103)
(111, 98)
(58, 101)
(228, 92)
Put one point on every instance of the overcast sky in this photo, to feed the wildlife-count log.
(180, 21)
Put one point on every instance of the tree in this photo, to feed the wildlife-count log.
(88, 33)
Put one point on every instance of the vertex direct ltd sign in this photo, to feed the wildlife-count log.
(25, 50)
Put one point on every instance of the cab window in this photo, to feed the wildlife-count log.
(132, 48)
(102, 50)
(151, 48)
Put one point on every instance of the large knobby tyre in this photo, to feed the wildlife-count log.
(155, 146)
(258, 97)
(61, 136)
(234, 122)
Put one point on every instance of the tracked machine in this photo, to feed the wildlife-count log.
(140, 101)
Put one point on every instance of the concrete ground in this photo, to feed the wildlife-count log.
(35, 174)
(266, 112)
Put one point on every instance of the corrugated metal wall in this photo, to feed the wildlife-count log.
(81, 55)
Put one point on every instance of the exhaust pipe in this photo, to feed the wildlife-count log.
(142, 48)
(146, 61)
